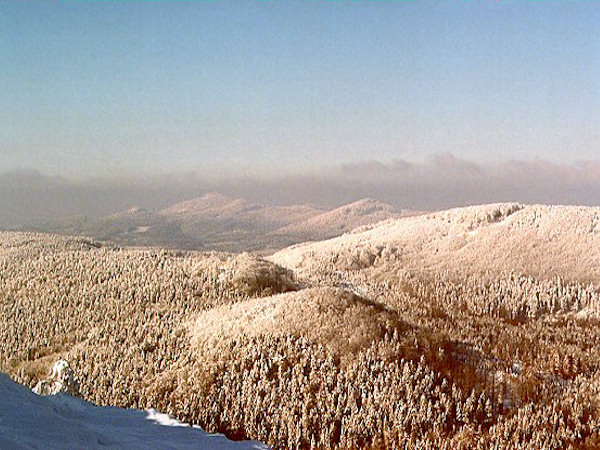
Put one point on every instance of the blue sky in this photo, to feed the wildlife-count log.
(97, 88)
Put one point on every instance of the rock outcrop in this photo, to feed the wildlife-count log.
(60, 380)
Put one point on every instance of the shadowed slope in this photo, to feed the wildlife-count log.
(59, 422)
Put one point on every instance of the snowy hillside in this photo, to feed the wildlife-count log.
(64, 422)
(343, 219)
(537, 240)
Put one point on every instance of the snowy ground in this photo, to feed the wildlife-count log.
(28, 421)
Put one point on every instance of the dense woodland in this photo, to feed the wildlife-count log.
(357, 353)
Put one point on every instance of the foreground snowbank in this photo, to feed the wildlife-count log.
(62, 421)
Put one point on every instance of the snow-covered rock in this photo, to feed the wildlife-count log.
(61, 380)
(29, 421)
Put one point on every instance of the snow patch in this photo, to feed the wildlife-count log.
(29, 421)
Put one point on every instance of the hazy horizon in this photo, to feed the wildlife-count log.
(441, 181)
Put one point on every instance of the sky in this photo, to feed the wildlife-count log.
(119, 89)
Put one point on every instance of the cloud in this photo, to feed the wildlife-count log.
(445, 181)
(442, 181)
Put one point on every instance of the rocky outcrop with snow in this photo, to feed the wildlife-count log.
(60, 380)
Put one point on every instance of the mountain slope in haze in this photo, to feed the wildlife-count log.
(233, 224)
(541, 241)
(132, 220)
(58, 422)
(210, 222)
(343, 219)
(218, 213)
(134, 226)
(217, 222)
(213, 201)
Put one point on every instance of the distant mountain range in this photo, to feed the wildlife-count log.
(217, 222)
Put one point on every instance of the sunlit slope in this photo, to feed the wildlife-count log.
(537, 240)
(343, 219)
(340, 321)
